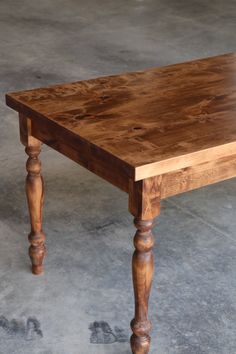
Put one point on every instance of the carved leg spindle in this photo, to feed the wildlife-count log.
(144, 204)
(143, 267)
(34, 191)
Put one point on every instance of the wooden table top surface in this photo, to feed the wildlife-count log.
(154, 121)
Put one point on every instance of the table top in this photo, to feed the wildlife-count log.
(154, 121)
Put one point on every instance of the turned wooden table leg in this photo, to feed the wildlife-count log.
(144, 204)
(35, 194)
(143, 267)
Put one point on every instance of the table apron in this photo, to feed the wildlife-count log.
(83, 153)
(197, 176)
(172, 183)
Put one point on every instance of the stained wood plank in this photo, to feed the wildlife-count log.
(144, 197)
(153, 122)
(204, 174)
(80, 151)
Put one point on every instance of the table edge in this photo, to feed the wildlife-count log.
(184, 161)
(28, 112)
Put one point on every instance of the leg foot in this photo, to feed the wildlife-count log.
(37, 253)
(140, 344)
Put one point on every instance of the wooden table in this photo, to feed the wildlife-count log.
(153, 134)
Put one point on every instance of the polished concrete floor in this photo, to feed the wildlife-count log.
(84, 302)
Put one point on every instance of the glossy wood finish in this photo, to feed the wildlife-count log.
(150, 122)
(153, 134)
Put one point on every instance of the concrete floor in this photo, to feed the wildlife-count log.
(89, 230)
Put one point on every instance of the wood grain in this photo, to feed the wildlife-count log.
(204, 174)
(152, 122)
(80, 151)
(144, 204)
(35, 194)
(144, 197)
(143, 268)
